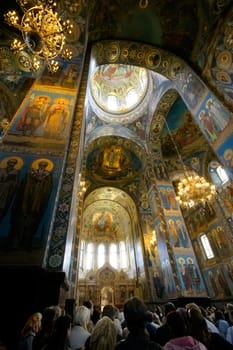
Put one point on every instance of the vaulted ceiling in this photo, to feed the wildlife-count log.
(183, 28)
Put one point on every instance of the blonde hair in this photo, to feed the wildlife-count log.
(33, 324)
(82, 316)
(104, 335)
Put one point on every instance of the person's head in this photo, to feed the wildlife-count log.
(12, 162)
(33, 324)
(168, 307)
(219, 315)
(43, 164)
(48, 318)
(57, 311)
(58, 339)
(103, 335)
(62, 325)
(197, 325)
(193, 306)
(89, 305)
(82, 316)
(109, 311)
(135, 315)
(36, 319)
(176, 324)
(203, 311)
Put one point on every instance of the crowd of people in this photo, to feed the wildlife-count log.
(135, 327)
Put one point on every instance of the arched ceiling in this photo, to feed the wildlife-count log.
(116, 145)
(107, 215)
(114, 160)
(105, 220)
(173, 25)
(118, 89)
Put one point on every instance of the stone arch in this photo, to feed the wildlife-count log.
(190, 87)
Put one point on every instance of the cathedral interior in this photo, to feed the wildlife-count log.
(97, 131)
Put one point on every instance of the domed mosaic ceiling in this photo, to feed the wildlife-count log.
(113, 162)
(105, 220)
(118, 88)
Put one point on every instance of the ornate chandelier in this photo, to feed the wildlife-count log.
(42, 32)
(192, 189)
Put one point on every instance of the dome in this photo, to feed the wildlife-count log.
(118, 88)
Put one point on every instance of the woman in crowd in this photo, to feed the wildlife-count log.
(49, 317)
(179, 333)
(28, 333)
(104, 335)
(221, 323)
(199, 330)
(135, 318)
(79, 333)
(59, 338)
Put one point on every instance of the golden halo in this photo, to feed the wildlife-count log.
(50, 166)
(181, 260)
(228, 154)
(223, 77)
(224, 59)
(61, 100)
(45, 97)
(18, 165)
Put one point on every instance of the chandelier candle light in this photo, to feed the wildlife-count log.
(42, 32)
(192, 189)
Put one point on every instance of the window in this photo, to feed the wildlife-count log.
(218, 174)
(222, 174)
(81, 258)
(113, 255)
(90, 256)
(207, 247)
(123, 258)
(101, 255)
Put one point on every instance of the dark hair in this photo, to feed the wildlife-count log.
(59, 337)
(198, 327)
(135, 315)
(168, 307)
(109, 311)
(48, 317)
(219, 315)
(88, 304)
(177, 324)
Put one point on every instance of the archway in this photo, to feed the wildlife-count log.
(111, 248)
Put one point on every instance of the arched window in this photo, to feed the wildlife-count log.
(90, 256)
(101, 255)
(123, 258)
(218, 174)
(113, 255)
(222, 174)
(207, 247)
(81, 257)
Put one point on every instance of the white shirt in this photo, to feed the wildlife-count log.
(78, 337)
